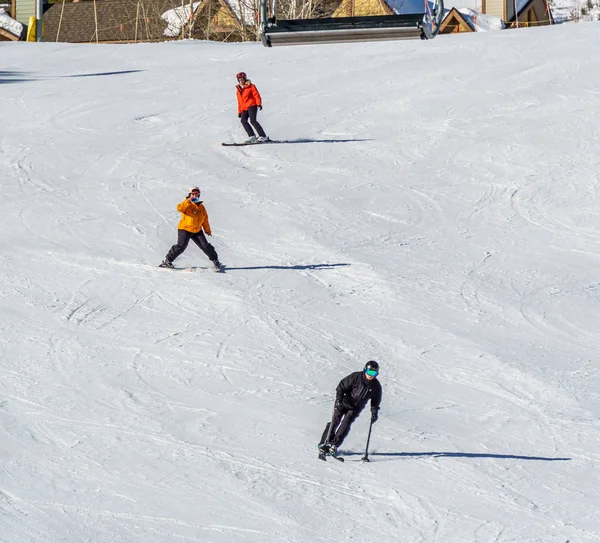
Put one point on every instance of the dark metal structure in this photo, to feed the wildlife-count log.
(423, 26)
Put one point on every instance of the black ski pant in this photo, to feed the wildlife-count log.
(251, 113)
(342, 421)
(184, 237)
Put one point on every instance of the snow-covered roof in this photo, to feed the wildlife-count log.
(479, 21)
(8, 23)
(176, 19)
(245, 10)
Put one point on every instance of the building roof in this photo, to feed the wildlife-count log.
(358, 8)
(177, 18)
(542, 5)
(454, 21)
(117, 20)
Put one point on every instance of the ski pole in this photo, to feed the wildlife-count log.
(365, 458)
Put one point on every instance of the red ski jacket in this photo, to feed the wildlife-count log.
(247, 96)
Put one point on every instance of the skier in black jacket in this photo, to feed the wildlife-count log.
(352, 394)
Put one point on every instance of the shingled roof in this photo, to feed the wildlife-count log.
(118, 21)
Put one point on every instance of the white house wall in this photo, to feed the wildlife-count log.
(25, 9)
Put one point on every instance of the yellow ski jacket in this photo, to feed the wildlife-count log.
(193, 217)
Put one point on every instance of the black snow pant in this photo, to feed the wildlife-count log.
(251, 113)
(342, 421)
(184, 237)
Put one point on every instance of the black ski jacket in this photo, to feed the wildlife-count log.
(355, 390)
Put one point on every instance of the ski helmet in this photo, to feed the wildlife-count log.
(194, 189)
(241, 75)
(372, 368)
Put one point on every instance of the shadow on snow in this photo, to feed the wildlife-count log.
(297, 267)
(12, 77)
(21, 77)
(434, 454)
(104, 73)
(311, 140)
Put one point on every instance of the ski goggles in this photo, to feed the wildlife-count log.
(372, 373)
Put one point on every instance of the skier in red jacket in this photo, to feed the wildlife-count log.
(249, 102)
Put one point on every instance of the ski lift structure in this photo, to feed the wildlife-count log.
(419, 25)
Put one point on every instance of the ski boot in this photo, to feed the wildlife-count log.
(323, 450)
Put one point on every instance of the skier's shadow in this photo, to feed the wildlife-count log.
(297, 267)
(99, 74)
(12, 77)
(460, 455)
(17, 77)
(311, 140)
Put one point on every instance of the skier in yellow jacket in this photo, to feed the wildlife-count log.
(194, 219)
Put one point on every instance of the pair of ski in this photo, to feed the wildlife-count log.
(194, 268)
(244, 143)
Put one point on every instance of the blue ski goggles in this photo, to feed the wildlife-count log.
(372, 373)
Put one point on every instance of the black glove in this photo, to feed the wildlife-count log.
(374, 416)
(338, 404)
(239, 115)
(260, 107)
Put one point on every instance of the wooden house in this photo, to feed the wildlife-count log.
(358, 8)
(519, 13)
(7, 30)
(455, 22)
(23, 10)
(217, 21)
(132, 21)
(107, 21)
(5, 35)
(9, 6)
